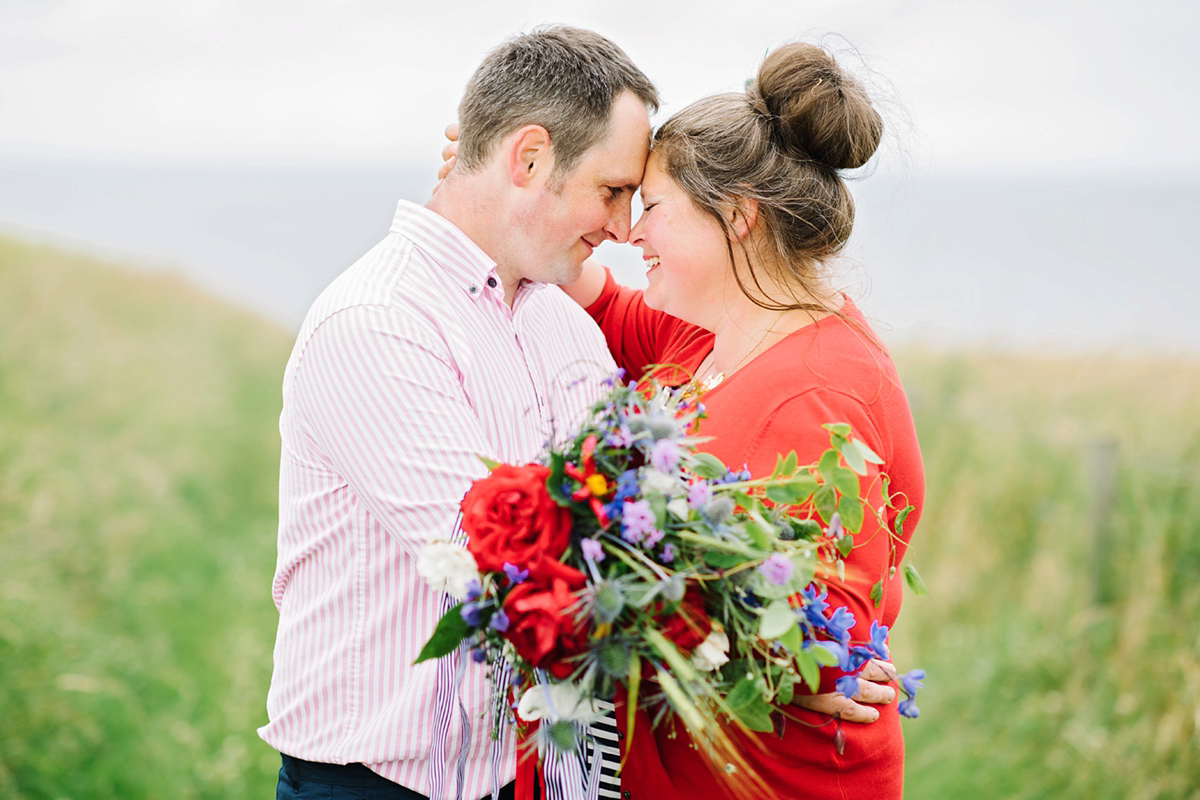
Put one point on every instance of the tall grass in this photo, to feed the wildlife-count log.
(138, 469)
(138, 472)
(1062, 638)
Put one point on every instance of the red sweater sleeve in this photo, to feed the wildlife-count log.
(638, 336)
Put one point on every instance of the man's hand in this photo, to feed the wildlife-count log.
(873, 689)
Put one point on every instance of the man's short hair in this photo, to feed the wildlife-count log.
(562, 78)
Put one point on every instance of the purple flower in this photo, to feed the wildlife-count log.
(847, 685)
(834, 531)
(474, 590)
(470, 614)
(499, 621)
(479, 656)
(909, 709)
(911, 681)
(636, 520)
(514, 573)
(699, 495)
(840, 623)
(653, 537)
(592, 550)
(664, 455)
(668, 552)
(621, 437)
(879, 635)
(777, 569)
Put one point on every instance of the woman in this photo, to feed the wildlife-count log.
(743, 208)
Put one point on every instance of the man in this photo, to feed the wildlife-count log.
(441, 345)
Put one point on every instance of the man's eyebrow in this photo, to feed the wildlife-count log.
(628, 187)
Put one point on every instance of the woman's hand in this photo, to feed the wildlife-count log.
(873, 689)
(449, 152)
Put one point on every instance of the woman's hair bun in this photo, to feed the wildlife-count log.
(822, 113)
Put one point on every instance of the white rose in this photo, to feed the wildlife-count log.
(667, 485)
(569, 704)
(447, 567)
(712, 652)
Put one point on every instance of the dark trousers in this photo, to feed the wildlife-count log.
(309, 780)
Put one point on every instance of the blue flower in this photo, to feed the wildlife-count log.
(909, 709)
(814, 607)
(479, 655)
(474, 590)
(470, 614)
(514, 573)
(911, 681)
(858, 656)
(499, 621)
(840, 623)
(847, 685)
(879, 634)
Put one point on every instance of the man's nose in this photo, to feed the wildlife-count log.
(617, 228)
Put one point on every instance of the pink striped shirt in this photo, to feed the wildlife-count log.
(407, 369)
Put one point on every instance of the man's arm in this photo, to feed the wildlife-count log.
(382, 404)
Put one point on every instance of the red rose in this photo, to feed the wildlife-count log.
(510, 516)
(689, 625)
(541, 622)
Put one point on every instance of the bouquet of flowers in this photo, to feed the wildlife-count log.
(628, 558)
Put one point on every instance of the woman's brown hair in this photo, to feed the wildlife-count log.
(782, 144)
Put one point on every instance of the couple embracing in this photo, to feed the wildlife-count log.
(450, 340)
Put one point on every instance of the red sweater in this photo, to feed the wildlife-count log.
(833, 370)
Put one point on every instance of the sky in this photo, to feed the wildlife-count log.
(973, 86)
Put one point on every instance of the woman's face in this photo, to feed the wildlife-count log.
(687, 258)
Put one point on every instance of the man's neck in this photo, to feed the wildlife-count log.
(474, 206)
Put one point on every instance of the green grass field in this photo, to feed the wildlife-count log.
(138, 470)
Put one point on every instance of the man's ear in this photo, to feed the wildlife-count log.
(528, 153)
(741, 214)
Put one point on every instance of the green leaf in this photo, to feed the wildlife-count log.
(449, 633)
(776, 619)
(722, 560)
(838, 429)
(846, 482)
(824, 656)
(747, 702)
(844, 545)
(851, 511)
(827, 464)
(707, 466)
(877, 594)
(802, 487)
(867, 453)
(793, 639)
(913, 579)
(554, 481)
(491, 464)
(780, 494)
(786, 692)
(825, 500)
(810, 670)
(759, 531)
(789, 464)
(900, 517)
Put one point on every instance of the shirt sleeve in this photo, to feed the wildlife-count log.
(382, 406)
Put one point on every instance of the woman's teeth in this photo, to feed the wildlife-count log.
(652, 262)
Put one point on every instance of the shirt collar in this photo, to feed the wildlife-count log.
(449, 247)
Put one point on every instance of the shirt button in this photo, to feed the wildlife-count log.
(492, 281)
(473, 289)
(626, 794)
